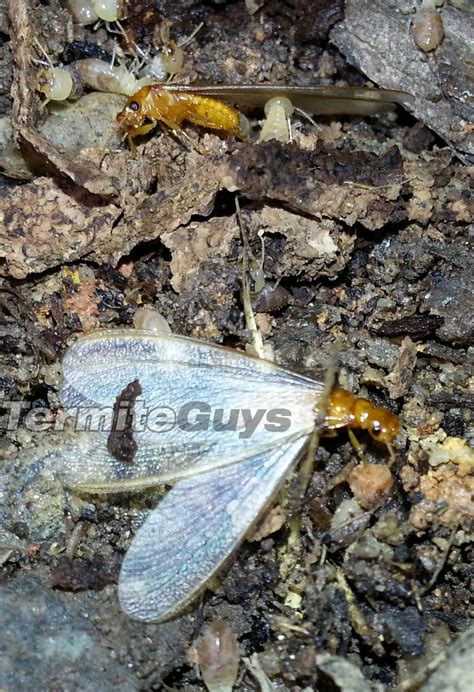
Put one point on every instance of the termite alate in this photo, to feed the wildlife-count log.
(225, 427)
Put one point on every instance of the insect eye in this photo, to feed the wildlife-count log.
(134, 106)
(376, 429)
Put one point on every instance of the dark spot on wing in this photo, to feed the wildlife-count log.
(121, 443)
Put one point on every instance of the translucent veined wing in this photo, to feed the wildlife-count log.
(312, 99)
(195, 528)
(175, 373)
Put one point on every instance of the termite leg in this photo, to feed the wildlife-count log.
(357, 446)
(174, 127)
(391, 454)
(194, 144)
(131, 144)
(114, 54)
(307, 464)
(136, 132)
(360, 451)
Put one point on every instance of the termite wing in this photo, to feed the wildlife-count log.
(225, 475)
(317, 100)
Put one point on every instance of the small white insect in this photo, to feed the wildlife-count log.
(217, 656)
(69, 81)
(277, 124)
(90, 11)
(427, 29)
(113, 79)
(169, 60)
(226, 427)
(56, 83)
(149, 320)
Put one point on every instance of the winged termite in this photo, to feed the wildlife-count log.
(226, 427)
(208, 105)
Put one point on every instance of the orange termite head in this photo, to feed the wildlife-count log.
(133, 115)
(385, 426)
(381, 425)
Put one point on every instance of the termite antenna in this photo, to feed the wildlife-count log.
(114, 54)
(307, 465)
(43, 52)
(121, 31)
(250, 322)
(305, 115)
(391, 454)
(172, 53)
(191, 36)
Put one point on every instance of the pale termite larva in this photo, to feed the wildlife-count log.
(55, 83)
(82, 12)
(114, 79)
(169, 60)
(89, 11)
(427, 30)
(172, 57)
(68, 82)
(277, 124)
(108, 10)
(150, 320)
(217, 656)
(154, 67)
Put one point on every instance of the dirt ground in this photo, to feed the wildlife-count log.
(367, 233)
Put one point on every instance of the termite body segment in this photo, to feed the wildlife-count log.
(157, 104)
(209, 106)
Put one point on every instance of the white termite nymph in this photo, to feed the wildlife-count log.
(277, 123)
(150, 320)
(113, 79)
(87, 12)
(154, 68)
(82, 12)
(55, 83)
(172, 57)
(169, 60)
(217, 656)
(108, 10)
(427, 29)
(68, 82)
(166, 63)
